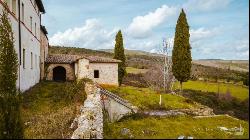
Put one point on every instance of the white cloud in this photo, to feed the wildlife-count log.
(242, 45)
(202, 33)
(142, 26)
(91, 35)
(205, 5)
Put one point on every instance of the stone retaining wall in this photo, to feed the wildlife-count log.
(90, 122)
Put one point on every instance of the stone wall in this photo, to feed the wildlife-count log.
(44, 53)
(70, 74)
(108, 72)
(82, 69)
(90, 122)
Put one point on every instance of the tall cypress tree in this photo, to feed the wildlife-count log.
(119, 54)
(10, 118)
(181, 55)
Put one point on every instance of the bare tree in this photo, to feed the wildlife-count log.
(160, 76)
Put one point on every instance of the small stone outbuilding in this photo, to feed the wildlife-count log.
(62, 67)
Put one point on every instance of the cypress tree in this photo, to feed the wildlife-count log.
(119, 54)
(181, 54)
(10, 118)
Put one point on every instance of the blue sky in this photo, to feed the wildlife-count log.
(218, 28)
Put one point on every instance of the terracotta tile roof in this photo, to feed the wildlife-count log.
(62, 58)
(97, 59)
(68, 59)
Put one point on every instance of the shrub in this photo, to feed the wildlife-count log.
(221, 103)
(75, 92)
(246, 80)
(10, 118)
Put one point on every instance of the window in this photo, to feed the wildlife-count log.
(35, 29)
(35, 61)
(24, 58)
(31, 60)
(96, 73)
(14, 6)
(22, 12)
(31, 24)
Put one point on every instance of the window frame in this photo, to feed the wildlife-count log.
(96, 74)
(22, 12)
(31, 22)
(23, 58)
(31, 60)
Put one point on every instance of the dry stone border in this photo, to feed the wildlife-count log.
(202, 111)
(90, 122)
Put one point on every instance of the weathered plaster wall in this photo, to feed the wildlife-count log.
(114, 109)
(70, 73)
(82, 69)
(30, 41)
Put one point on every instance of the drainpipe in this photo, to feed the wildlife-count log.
(20, 46)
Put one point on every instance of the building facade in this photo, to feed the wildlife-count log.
(61, 67)
(44, 50)
(31, 45)
(25, 18)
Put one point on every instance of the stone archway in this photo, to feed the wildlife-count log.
(69, 68)
(59, 73)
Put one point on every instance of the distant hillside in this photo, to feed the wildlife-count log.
(145, 60)
(137, 58)
(238, 65)
(78, 51)
(132, 52)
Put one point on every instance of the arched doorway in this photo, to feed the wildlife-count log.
(59, 74)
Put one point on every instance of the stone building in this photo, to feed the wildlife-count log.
(25, 18)
(61, 67)
(44, 48)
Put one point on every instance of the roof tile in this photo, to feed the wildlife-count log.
(68, 59)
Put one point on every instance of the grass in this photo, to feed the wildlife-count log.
(147, 99)
(49, 108)
(238, 91)
(173, 127)
(220, 103)
(135, 70)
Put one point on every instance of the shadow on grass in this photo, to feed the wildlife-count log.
(220, 103)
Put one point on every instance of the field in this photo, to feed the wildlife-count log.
(146, 127)
(49, 108)
(147, 99)
(239, 91)
(233, 99)
(135, 70)
(173, 127)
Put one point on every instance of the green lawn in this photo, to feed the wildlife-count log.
(147, 99)
(238, 91)
(49, 108)
(135, 70)
(173, 127)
